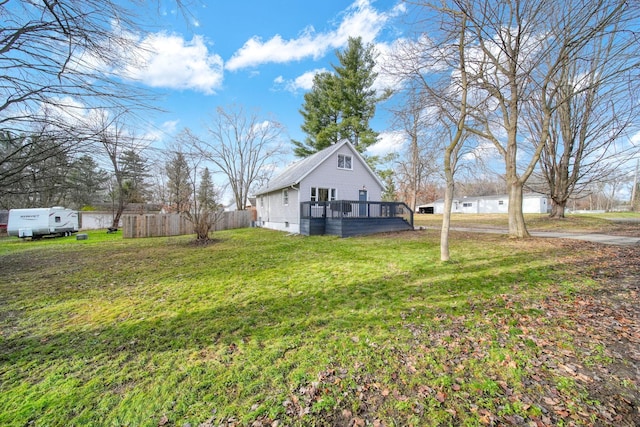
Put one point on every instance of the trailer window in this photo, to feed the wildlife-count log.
(57, 219)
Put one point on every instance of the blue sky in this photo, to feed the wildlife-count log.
(255, 53)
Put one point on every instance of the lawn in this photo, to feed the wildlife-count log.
(264, 328)
(622, 223)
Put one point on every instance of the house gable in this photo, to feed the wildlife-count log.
(341, 176)
(300, 170)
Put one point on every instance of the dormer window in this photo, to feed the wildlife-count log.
(344, 162)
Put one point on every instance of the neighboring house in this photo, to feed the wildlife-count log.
(531, 203)
(330, 192)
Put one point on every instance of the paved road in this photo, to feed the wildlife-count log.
(605, 239)
(595, 237)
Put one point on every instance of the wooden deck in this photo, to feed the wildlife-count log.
(347, 218)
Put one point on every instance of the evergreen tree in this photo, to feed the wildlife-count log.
(179, 182)
(86, 181)
(135, 171)
(321, 113)
(356, 77)
(208, 210)
(207, 194)
(341, 104)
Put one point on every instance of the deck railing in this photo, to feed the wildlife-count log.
(356, 209)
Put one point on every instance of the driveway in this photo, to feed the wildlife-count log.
(605, 239)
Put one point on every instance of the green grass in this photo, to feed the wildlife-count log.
(602, 223)
(261, 325)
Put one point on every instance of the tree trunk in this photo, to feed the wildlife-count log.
(119, 210)
(557, 209)
(517, 227)
(446, 221)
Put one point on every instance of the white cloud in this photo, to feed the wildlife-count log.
(484, 151)
(359, 20)
(388, 142)
(170, 126)
(169, 61)
(386, 79)
(302, 82)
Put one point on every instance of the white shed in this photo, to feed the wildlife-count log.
(531, 203)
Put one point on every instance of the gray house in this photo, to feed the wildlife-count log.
(333, 191)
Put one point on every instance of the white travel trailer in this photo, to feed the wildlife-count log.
(39, 222)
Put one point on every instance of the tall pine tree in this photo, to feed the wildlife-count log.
(341, 104)
(179, 192)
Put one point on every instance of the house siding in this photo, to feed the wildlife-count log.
(273, 213)
(348, 183)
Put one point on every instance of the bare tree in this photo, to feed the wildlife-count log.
(597, 102)
(192, 191)
(456, 140)
(508, 46)
(512, 60)
(37, 144)
(241, 145)
(419, 162)
(437, 66)
(33, 167)
(114, 140)
(476, 186)
(59, 59)
(59, 53)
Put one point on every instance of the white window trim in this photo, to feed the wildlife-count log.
(285, 197)
(344, 161)
(332, 194)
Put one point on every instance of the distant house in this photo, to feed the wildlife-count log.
(333, 191)
(531, 203)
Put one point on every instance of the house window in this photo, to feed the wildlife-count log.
(467, 205)
(501, 202)
(344, 162)
(262, 201)
(323, 194)
(285, 197)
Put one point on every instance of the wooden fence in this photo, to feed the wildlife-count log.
(159, 225)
